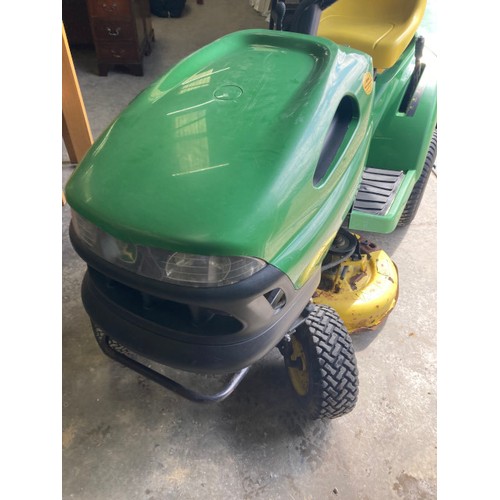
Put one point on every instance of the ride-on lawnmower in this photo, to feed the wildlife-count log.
(214, 212)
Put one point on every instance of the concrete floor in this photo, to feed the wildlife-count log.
(125, 437)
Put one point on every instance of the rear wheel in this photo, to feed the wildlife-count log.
(321, 365)
(416, 195)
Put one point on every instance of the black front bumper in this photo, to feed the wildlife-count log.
(236, 324)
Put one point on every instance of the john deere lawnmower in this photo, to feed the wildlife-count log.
(214, 212)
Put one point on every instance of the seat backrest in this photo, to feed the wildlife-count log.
(381, 28)
(395, 10)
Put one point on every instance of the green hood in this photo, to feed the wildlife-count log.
(217, 157)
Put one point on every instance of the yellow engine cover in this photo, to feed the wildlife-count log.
(363, 292)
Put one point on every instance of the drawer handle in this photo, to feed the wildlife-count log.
(114, 32)
(109, 8)
(117, 53)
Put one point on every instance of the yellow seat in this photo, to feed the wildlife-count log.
(382, 29)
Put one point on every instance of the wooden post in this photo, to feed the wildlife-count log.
(75, 128)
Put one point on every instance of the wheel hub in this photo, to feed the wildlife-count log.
(297, 367)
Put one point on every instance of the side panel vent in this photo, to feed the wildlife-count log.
(340, 131)
(276, 298)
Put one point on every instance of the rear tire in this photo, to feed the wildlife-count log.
(322, 366)
(416, 195)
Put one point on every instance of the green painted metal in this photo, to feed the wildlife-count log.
(400, 142)
(217, 157)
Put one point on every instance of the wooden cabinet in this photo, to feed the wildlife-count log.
(76, 23)
(122, 32)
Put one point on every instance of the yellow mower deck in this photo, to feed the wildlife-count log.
(364, 291)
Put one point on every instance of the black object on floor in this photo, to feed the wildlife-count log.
(167, 8)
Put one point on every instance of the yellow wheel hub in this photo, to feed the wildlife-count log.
(299, 376)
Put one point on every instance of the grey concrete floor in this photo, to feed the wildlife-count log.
(124, 437)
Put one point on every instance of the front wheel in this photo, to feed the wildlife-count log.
(321, 365)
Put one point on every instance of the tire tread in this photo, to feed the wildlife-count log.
(417, 193)
(334, 369)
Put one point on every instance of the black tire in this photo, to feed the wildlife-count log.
(327, 386)
(415, 198)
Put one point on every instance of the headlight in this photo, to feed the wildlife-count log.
(159, 264)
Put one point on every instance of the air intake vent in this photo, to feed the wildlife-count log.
(276, 298)
(340, 130)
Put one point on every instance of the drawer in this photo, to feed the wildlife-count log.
(110, 8)
(118, 53)
(113, 30)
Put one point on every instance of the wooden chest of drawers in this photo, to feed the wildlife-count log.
(122, 33)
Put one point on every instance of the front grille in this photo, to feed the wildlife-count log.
(167, 313)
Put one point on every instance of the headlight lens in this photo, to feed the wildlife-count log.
(159, 264)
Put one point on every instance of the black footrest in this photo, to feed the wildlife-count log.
(377, 190)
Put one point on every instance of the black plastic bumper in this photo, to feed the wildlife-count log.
(155, 320)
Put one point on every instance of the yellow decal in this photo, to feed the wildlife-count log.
(368, 83)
